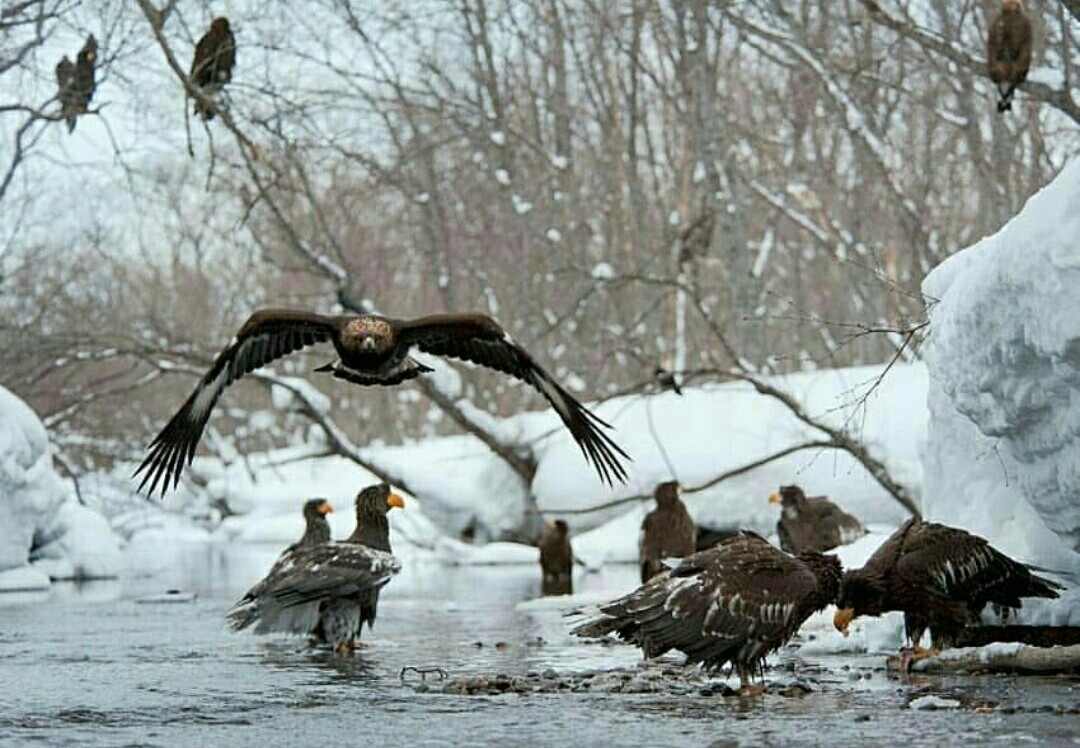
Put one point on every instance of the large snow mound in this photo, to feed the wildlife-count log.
(1003, 457)
(42, 522)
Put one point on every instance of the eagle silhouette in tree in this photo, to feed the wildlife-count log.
(75, 82)
(215, 56)
(1008, 51)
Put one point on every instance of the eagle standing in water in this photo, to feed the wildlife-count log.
(667, 531)
(372, 350)
(941, 578)
(814, 524)
(212, 67)
(556, 559)
(735, 602)
(1008, 51)
(328, 590)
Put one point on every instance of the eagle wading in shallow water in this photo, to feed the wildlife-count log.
(733, 603)
(372, 350)
(328, 590)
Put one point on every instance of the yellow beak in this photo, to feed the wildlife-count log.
(775, 498)
(843, 619)
(393, 500)
(325, 508)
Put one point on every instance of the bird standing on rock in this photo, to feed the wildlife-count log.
(372, 350)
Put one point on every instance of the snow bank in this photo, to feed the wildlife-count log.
(42, 522)
(1003, 457)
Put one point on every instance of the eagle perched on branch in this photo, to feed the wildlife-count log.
(1008, 51)
(215, 56)
(75, 82)
(372, 350)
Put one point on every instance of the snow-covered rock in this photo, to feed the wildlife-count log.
(42, 521)
(1003, 458)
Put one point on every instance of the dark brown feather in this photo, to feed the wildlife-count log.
(556, 560)
(268, 335)
(941, 577)
(481, 340)
(212, 66)
(667, 531)
(735, 602)
(814, 524)
(1008, 51)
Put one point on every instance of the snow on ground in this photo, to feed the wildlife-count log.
(1003, 457)
(43, 524)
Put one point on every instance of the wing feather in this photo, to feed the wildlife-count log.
(480, 340)
(269, 334)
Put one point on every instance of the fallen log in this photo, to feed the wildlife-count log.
(999, 658)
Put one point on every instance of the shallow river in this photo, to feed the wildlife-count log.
(91, 666)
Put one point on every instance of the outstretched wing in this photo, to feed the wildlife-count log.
(480, 340)
(268, 335)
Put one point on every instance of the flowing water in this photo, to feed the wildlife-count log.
(90, 665)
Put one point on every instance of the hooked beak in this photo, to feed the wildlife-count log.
(843, 619)
(368, 343)
(325, 508)
(393, 500)
(775, 498)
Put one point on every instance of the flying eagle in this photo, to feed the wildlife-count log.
(1008, 50)
(328, 590)
(814, 524)
(667, 531)
(940, 577)
(556, 559)
(215, 56)
(372, 350)
(316, 531)
(735, 602)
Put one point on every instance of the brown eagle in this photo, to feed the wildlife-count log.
(666, 532)
(940, 577)
(814, 524)
(735, 602)
(372, 350)
(1008, 50)
(215, 56)
(328, 590)
(75, 82)
(316, 531)
(556, 559)
(65, 84)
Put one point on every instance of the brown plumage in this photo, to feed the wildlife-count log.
(65, 84)
(328, 590)
(212, 67)
(556, 559)
(814, 524)
(372, 350)
(75, 82)
(1008, 51)
(667, 531)
(940, 577)
(316, 531)
(735, 602)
